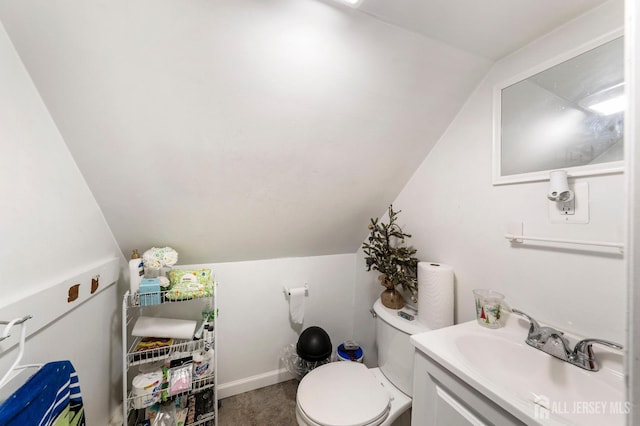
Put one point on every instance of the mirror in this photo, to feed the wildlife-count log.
(568, 115)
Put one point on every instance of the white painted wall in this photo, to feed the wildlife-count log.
(459, 218)
(632, 140)
(51, 227)
(254, 324)
(303, 115)
(450, 206)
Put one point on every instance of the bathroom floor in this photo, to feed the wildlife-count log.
(270, 406)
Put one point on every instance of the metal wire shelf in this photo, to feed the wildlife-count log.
(155, 350)
(197, 385)
(158, 354)
(137, 299)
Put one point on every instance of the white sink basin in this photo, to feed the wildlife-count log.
(530, 384)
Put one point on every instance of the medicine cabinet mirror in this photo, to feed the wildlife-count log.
(565, 114)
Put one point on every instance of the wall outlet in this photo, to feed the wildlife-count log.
(567, 208)
(574, 211)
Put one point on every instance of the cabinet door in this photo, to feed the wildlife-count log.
(450, 412)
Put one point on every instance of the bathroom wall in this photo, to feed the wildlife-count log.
(254, 325)
(51, 228)
(632, 51)
(271, 113)
(52, 225)
(459, 218)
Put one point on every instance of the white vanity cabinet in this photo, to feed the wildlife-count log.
(440, 398)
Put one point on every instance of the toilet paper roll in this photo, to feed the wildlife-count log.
(435, 294)
(296, 304)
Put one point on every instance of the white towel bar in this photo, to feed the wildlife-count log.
(522, 238)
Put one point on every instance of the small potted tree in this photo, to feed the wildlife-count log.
(387, 253)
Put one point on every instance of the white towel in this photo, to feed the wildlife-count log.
(164, 327)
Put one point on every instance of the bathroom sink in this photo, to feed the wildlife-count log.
(530, 384)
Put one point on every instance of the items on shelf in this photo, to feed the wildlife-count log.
(202, 365)
(199, 405)
(172, 364)
(158, 345)
(157, 258)
(146, 388)
(171, 412)
(149, 291)
(180, 285)
(164, 327)
(136, 271)
(178, 375)
(189, 284)
(154, 263)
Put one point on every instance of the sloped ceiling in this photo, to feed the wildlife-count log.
(245, 129)
(489, 28)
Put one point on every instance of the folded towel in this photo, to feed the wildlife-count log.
(164, 327)
(50, 397)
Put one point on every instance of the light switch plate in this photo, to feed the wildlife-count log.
(562, 213)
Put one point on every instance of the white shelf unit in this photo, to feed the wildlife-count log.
(132, 360)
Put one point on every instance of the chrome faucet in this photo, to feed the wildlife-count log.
(583, 355)
(553, 342)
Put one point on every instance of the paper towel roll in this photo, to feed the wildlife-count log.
(296, 304)
(435, 294)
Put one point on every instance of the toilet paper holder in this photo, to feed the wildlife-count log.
(287, 291)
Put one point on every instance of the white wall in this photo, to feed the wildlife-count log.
(52, 227)
(254, 324)
(632, 140)
(278, 112)
(457, 217)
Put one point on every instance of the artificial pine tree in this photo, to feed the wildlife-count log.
(387, 253)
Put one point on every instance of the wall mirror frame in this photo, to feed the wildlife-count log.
(539, 125)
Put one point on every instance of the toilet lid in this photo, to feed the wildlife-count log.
(342, 394)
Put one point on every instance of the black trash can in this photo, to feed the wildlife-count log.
(314, 344)
(312, 350)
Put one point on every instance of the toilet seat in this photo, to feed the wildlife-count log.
(308, 422)
(342, 393)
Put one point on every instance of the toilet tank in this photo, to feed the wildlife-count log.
(395, 351)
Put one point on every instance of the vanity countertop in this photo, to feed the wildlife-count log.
(528, 383)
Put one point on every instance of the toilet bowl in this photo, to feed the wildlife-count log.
(347, 393)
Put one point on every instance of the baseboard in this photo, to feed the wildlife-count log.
(254, 382)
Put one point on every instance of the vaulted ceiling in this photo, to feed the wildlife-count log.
(247, 129)
(489, 28)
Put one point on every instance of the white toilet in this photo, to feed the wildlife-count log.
(348, 394)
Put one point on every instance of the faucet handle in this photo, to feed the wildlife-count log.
(534, 328)
(537, 335)
(583, 355)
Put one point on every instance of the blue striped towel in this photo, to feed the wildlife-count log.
(50, 397)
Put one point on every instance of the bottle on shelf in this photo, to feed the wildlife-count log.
(136, 271)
